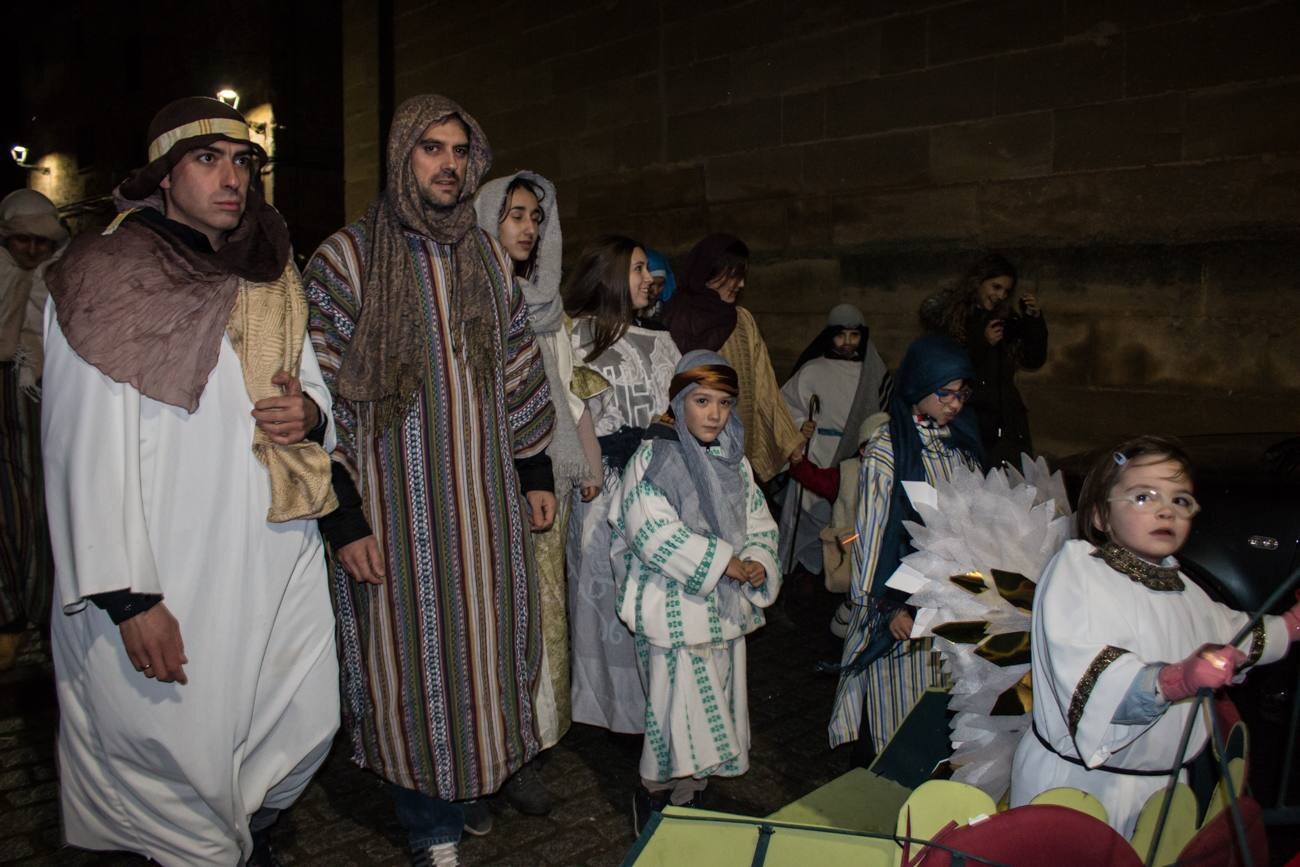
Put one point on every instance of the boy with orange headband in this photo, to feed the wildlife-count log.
(695, 558)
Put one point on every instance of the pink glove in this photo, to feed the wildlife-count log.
(1211, 667)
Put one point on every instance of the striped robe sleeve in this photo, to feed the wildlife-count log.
(528, 394)
(876, 486)
(330, 282)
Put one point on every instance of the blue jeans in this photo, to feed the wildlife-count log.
(427, 820)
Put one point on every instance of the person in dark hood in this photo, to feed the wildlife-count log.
(882, 672)
(1003, 335)
(703, 314)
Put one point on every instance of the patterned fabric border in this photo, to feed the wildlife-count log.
(1160, 578)
(1083, 691)
(1258, 637)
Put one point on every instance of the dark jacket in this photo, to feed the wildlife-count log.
(1003, 418)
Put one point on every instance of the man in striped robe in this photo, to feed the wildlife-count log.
(443, 416)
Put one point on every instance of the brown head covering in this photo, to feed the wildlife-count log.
(386, 360)
(696, 315)
(179, 127)
(141, 304)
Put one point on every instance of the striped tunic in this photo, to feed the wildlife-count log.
(892, 684)
(438, 662)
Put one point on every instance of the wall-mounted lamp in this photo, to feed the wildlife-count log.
(229, 97)
(19, 154)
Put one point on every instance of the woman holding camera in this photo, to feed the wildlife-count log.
(1003, 335)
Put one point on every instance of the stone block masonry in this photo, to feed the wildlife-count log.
(1140, 162)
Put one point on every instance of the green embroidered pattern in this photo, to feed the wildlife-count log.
(701, 573)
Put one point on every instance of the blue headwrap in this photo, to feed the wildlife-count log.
(931, 363)
(658, 264)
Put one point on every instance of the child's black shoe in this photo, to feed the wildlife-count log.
(644, 804)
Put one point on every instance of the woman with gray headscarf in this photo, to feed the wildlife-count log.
(521, 212)
(695, 559)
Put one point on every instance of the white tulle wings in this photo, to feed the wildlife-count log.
(982, 543)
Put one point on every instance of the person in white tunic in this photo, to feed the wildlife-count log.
(609, 283)
(695, 558)
(185, 428)
(842, 380)
(1122, 639)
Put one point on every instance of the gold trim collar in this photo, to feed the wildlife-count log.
(1149, 575)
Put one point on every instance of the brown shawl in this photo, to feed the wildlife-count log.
(147, 309)
(386, 359)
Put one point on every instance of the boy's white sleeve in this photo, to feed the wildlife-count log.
(657, 537)
(760, 542)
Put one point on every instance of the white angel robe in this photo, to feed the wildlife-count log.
(1094, 630)
(144, 496)
(690, 624)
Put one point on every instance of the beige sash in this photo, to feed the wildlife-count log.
(266, 328)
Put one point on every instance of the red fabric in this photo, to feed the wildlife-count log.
(822, 481)
(1037, 835)
(1216, 844)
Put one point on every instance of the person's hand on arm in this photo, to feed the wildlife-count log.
(1029, 304)
(755, 574)
(363, 560)
(287, 418)
(541, 510)
(994, 331)
(900, 625)
(152, 640)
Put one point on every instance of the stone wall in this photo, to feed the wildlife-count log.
(1139, 161)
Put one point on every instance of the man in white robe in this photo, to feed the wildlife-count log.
(838, 381)
(183, 424)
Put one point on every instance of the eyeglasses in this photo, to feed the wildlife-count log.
(1150, 500)
(946, 394)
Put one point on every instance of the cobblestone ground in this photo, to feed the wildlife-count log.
(345, 819)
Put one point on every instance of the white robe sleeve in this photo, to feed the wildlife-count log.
(657, 537)
(795, 398)
(1090, 664)
(90, 437)
(760, 542)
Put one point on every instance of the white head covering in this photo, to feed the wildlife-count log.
(27, 212)
(542, 289)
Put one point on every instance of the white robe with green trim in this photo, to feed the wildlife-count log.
(689, 622)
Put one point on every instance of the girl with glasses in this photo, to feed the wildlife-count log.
(1122, 639)
(882, 671)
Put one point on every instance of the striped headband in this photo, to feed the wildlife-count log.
(719, 377)
(226, 126)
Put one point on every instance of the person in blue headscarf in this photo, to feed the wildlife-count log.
(694, 555)
(882, 671)
(662, 287)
